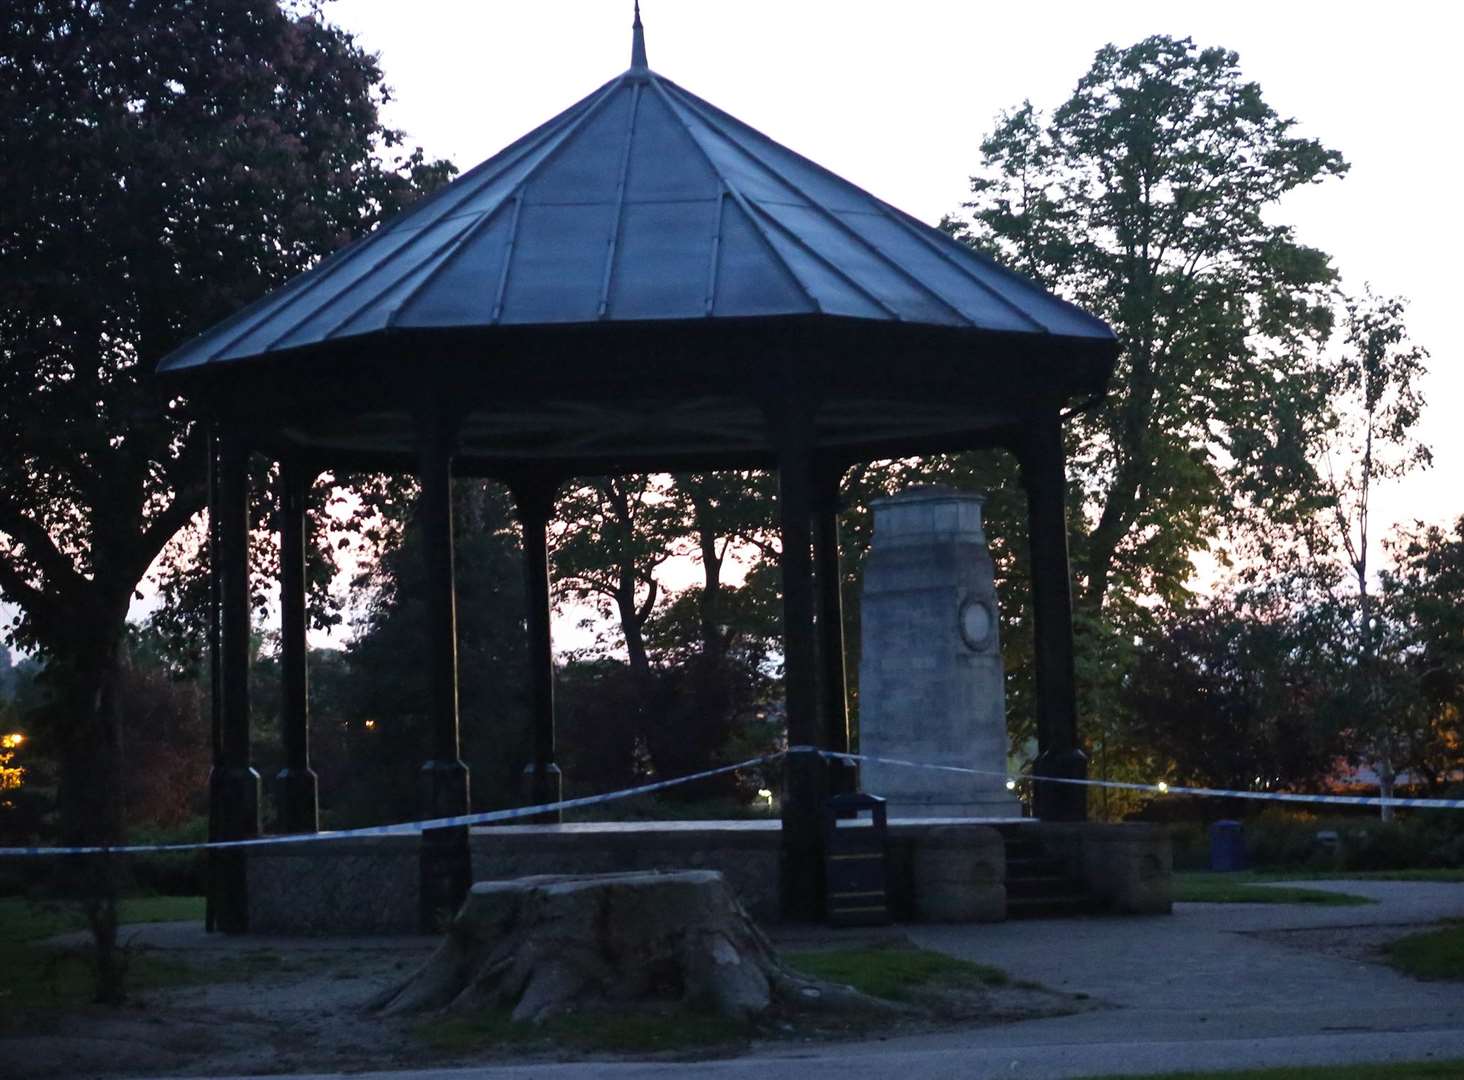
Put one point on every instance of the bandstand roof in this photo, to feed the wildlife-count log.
(609, 287)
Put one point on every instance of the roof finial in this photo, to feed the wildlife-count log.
(638, 41)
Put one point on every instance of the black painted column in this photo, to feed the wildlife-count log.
(296, 793)
(805, 784)
(446, 870)
(543, 782)
(233, 783)
(1059, 755)
(833, 679)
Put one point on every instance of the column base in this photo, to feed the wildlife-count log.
(801, 858)
(542, 786)
(297, 800)
(233, 793)
(1060, 802)
(446, 860)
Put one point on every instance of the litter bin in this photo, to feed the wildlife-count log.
(855, 879)
(1227, 846)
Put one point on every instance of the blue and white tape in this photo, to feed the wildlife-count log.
(1158, 789)
(490, 817)
(406, 828)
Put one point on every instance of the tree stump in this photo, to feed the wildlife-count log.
(554, 944)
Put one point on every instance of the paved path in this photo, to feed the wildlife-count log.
(1211, 986)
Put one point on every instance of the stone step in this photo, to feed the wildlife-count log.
(1043, 906)
(1037, 887)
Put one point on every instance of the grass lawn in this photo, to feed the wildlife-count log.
(1431, 874)
(35, 975)
(1434, 954)
(893, 973)
(1408, 1070)
(897, 974)
(1244, 887)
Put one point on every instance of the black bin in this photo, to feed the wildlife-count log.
(1227, 846)
(856, 881)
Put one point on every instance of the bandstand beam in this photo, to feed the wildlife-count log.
(296, 786)
(1058, 752)
(833, 677)
(446, 867)
(534, 495)
(805, 783)
(233, 783)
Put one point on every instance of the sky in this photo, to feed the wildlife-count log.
(896, 97)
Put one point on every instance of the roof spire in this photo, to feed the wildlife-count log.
(638, 41)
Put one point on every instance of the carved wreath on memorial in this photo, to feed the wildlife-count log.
(977, 623)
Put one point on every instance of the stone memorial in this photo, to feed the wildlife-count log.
(930, 674)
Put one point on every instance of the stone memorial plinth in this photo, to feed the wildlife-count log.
(930, 674)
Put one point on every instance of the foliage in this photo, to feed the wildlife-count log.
(1201, 888)
(380, 724)
(894, 973)
(1146, 198)
(164, 164)
(1229, 694)
(1436, 954)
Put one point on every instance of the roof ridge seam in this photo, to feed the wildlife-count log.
(737, 197)
(557, 145)
(899, 218)
(838, 222)
(610, 250)
(320, 274)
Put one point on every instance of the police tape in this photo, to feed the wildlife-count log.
(406, 828)
(1160, 788)
(490, 817)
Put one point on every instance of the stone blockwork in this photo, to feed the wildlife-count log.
(940, 870)
(930, 674)
(1125, 868)
(363, 886)
(746, 856)
(959, 875)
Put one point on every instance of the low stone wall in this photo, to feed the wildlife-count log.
(747, 858)
(938, 870)
(1126, 868)
(362, 886)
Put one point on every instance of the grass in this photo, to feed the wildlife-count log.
(1244, 887)
(1405, 1070)
(1434, 954)
(629, 1033)
(1444, 874)
(33, 974)
(896, 974)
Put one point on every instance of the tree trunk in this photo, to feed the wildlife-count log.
(547, 946)
(90, 792)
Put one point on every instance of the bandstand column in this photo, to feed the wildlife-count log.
(833, 680)
(446, 869)
(805, 784)
(233, 783)
(534, 497)
(1059, 755)
(296, 787)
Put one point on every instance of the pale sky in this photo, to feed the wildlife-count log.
(897, 96)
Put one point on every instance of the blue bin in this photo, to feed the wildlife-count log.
(1227, 846)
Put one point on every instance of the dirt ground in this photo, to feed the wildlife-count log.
(294, 1005)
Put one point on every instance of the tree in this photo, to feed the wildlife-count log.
(164, 164)
(1375, 391)
(1255, 686)
(1419, 606)
(1146, 198)
(383, 702)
